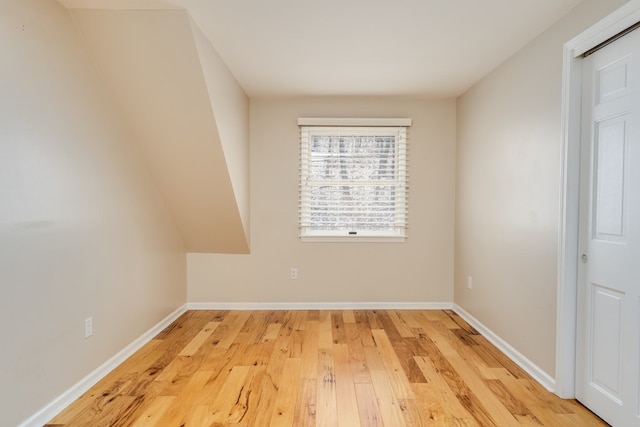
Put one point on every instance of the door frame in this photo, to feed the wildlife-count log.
(567, 279)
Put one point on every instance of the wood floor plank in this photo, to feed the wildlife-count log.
(442, 317)
(437, 409)
(364, 329)
(181, 406)
(374, 360)
(357, 358)
(388, 402)
(397, 375)
(413, 412)
(240, 410)
(372, 318)
(325, 333)
(256, 325)
(256, 354)
(296, 343)
(460, 322)
(443, 367)
(229, 394)
(466, 345)
(438, 390)
(368, 405)
(199, 339)
(273, 329)
(348, 414)
(512, 403)
(287, 396)
(299, 319)
(370, 368)
(405, 353)
(289, 321)
(327, 407)
(199, 415)
(338, 334)
(410, 318)
(348, 316)
(95, 404)
(404, 329)
(481, 400)
(309, 354)
(239, 318)
(260, 391)
(305, 411)
(387, 325)
(172, 379)
(221, 365)
(546, 407)
(152, 416)
(110, 413)
(500, 357)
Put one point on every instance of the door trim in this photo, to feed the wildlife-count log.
(616, 22)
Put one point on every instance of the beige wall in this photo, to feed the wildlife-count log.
(83, 231)
(419, 270)
(508, 183)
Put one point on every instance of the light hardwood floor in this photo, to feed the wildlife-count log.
(320, 368)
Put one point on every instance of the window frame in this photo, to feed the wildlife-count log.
(383, 127)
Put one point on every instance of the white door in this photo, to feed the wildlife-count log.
(608, 335)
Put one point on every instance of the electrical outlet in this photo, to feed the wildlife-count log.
(88, 327)
(469, 282)
(294, 273)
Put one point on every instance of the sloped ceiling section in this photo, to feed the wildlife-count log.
(231, 111)
(151, 61)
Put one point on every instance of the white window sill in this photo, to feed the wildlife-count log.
(354, 239)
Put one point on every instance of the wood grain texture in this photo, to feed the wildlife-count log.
(371, 368)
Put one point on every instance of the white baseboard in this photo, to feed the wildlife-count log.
(518, 358)
(320, 306)
(65, 399)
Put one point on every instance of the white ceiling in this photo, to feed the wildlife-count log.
(360, 47)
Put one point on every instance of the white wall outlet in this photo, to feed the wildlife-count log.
(469, 282)
(88, 327)
(294, 273)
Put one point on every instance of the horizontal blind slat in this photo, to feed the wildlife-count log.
(353, 179)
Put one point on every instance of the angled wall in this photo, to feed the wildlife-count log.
(151, 62)
(230, 108)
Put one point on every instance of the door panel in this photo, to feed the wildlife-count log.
(606, 343)
(612, 80)
(610, 142)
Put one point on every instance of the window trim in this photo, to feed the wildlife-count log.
(362, 122)
(345, 236)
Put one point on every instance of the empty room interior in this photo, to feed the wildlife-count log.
(150, 164)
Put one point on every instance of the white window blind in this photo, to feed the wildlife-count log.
(353, 179)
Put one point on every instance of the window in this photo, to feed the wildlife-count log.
(353, 179)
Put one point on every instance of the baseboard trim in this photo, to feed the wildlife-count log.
(65, 399)
(531, 368)
(320, 306)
